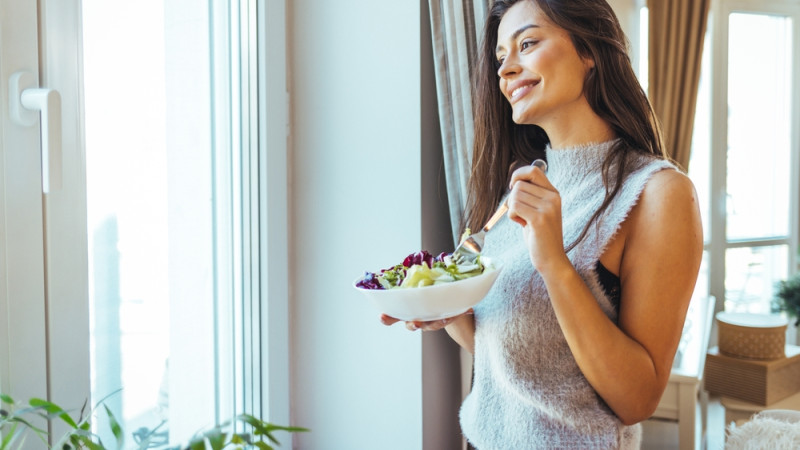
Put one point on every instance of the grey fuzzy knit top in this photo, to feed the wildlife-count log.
(528, 391)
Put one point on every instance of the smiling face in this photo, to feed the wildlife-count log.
(541, 73)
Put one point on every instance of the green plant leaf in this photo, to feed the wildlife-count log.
(88, 442)
(216, 438)
(27, 424)
(27, 411)
(81, 439)
(273, 427)
(116, 428)
(54, 410)
(20, 433)
(198, 444)
(6, 399)
(260, 427)
(10, 436)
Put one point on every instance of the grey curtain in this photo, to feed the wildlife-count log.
(456, 26)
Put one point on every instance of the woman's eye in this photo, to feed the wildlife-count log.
(528, 43)
(500, 61)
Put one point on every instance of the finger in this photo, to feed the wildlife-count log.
(526, 173)
(520, 215)
(535, 212)
(526, 194)
(525, 201)
(532, 175)
(388, 320)
(441, 323)
(433, 325)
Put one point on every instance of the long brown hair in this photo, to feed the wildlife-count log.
(611, 88)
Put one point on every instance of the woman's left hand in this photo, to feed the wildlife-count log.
(414, 325)
(536, 205)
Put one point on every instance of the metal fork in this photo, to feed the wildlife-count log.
(469, 248)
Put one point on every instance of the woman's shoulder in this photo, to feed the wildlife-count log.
(653, 173)
(669, 182)
(667, 196)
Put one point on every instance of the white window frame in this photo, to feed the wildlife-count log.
(718, 243)
(258, 249)
(274, 130)
(43, 272)
(43, 284)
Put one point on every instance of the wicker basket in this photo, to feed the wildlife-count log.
(752, 336)
(751, 380)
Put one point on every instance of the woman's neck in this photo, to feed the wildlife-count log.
(579, 127)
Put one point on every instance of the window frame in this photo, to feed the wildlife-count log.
(41, 354)
(717, 243)
(274, 132)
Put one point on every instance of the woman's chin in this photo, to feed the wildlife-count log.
(523, 119)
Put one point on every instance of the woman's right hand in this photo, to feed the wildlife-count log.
(535, 204)
(433, 325)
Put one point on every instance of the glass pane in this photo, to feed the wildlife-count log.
(759, 125)
(152, 197)
(751, 274)
(700, 160)
(701, 287)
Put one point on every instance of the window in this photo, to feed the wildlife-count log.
(747, 166)
(176, 197)
(152, 198)
(745, 150)
(177, 106)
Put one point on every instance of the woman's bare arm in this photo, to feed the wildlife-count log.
(629, 364)
(658, 252)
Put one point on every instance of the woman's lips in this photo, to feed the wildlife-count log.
(519, 91)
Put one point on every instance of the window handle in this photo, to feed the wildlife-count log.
(26, 102)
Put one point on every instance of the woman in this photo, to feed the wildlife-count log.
(574, 344)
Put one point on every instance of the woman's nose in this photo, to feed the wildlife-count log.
(509, 67)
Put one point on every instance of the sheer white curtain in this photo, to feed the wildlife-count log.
(456, 27)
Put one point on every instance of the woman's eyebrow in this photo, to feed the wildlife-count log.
(516, 34)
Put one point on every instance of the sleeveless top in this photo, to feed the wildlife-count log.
(528, 391)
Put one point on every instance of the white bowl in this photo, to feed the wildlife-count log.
(435, 302)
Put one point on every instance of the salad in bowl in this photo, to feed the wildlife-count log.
(425, 287)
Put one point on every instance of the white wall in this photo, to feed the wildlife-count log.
(355, 202)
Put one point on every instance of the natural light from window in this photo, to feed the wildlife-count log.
(151, 203)
(757, 159)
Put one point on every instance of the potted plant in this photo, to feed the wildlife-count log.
(788, 297)
(18, 421)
